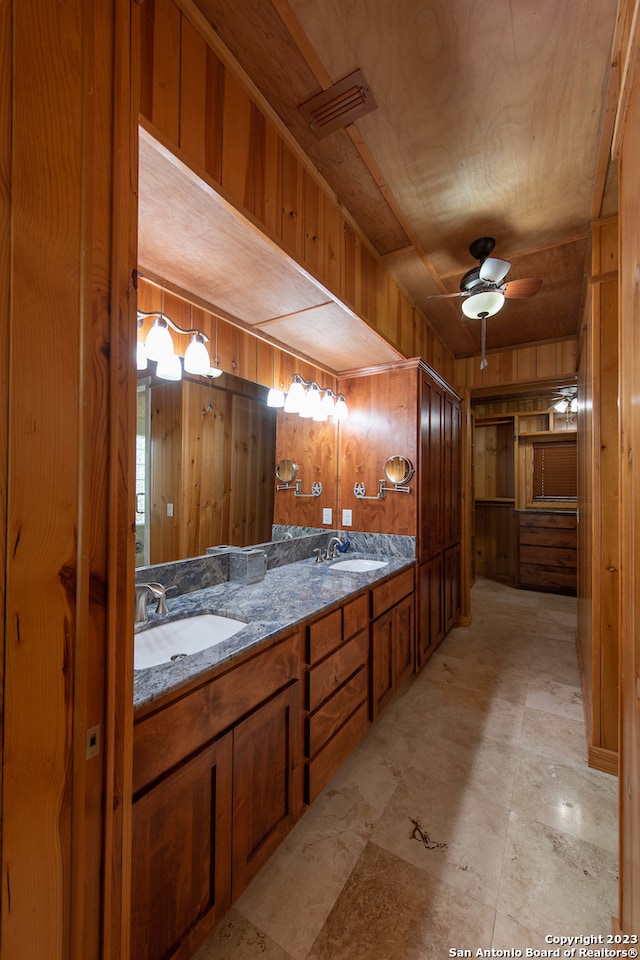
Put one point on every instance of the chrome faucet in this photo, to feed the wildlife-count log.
(332, 548)
(320, 555)
(146, 592)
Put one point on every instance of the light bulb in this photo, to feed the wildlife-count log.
(159, 343)
(341, 411)
(169, 368)
(196, 357)
(328, 404)
(275, 398)
(294, 397)
(141, 356)
(311, 404)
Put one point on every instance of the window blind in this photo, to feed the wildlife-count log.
(554, 471)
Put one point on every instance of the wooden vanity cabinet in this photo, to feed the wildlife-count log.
(392, 638)
(217, 786)
(337, 690)
(181, 868)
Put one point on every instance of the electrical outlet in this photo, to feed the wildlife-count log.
(93, 741)
(346, 518)
(327, 515)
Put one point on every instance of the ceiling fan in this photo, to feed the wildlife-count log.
(485, 287)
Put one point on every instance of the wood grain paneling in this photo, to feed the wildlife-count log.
(496, 542)
(382, 423)
(67, 463)
(628, 339)
(313, 448)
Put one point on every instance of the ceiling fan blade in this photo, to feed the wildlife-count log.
(519, 289)
(494, 270)
(446, 296)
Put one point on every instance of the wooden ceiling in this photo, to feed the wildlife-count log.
(489, 122)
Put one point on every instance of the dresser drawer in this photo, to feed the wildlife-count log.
(355, 616)
(327, 676)
(323, 636)
(391, 592)
(335, 752)
(328, 718)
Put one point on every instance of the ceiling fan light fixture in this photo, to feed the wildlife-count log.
(485, 304)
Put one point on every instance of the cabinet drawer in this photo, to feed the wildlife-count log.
(162, 739)
(332, 672)
(328, 718)
(355, 616)
(335, 752)
(323, 636)
(390, 592)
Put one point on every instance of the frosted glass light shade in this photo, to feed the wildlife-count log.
(294, 398)
(328, 404)
(141, 356)
(196, 357)
(275, 398)
(158, 343)
(484, 304)
(311, 404)
(169, 368)
(341, 411)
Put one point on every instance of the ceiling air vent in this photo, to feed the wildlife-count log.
(341, 104)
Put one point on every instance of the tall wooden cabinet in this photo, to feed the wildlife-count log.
(407, 409)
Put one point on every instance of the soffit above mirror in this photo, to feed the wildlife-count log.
(189, 236)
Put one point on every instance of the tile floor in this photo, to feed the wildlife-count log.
(467, 818)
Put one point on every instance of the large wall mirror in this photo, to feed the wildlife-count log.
(204, 471)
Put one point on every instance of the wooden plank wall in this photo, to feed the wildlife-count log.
(313, 447)
(545, 361)
(67, 445)
(196, 98)
(367, 441)
(598, 472)
(627, 146)
(496, 542)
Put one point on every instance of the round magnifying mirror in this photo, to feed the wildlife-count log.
(286, 471)
(398, 470)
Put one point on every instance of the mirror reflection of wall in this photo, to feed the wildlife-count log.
(210, 454)
(311, 446)
(398, 470)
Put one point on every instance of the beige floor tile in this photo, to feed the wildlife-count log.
(463, 722)
(457, 836)
(486, 766)
(556, 669)
(390, 910)
(554, 736)
(561, 699)
(237, 938)
(293, 894)
(509, 935)
(583, 802)
(555, 884)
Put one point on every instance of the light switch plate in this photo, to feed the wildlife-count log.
(169, 509)
(327, 515)
(346, 518)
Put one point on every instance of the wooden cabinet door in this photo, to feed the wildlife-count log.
(293, 182)
(181, 861)
(382, 662)
(430, 608)
(267, 783)
(403, 641)
(451, 586)
(451, 486)
(431, 475)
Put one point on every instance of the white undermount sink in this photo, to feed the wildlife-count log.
(357, 565)
(179, 638)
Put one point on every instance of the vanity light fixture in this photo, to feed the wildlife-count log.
(159, 347)
(311, 401)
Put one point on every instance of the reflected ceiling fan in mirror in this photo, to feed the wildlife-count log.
(485, 288)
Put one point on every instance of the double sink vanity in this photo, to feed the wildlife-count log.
(257, 694)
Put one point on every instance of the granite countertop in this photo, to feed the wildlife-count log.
(286, 596)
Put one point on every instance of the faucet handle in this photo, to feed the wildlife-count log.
(320, 554)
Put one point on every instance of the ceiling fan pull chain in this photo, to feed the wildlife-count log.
(484, 362)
